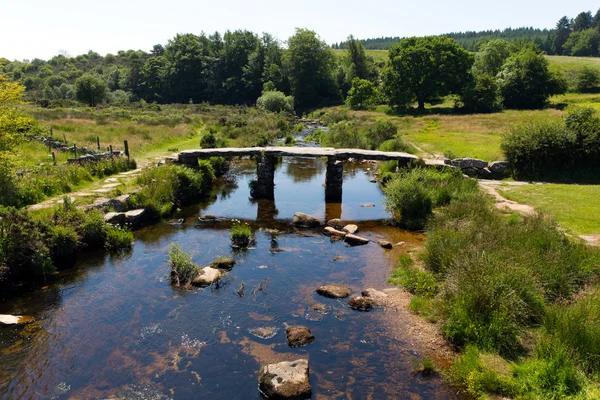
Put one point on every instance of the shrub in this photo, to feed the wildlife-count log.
(556, 151)
(395, 144)
(118, 238)
(412, 194)
(240, 234)
(481, 95)
(276, 101)
(183, 269)
(64, 242)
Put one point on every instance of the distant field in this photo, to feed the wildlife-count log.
(379, 56)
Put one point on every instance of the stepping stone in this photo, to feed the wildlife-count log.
(285, 380)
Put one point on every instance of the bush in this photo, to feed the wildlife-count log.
(412, 194)
(94, 229)
(64, 242)
(118, 238)
(568, 150)
(276, 101)
(481, 95)
(183, 269)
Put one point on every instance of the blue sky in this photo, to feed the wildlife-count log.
(36, 28)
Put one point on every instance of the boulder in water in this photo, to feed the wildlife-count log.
(334, 291)
(303, 220)
(285, 380)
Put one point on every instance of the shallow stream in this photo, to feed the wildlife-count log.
(113, 327)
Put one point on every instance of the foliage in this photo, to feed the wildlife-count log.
(90, 89)
(164, 187)
(480, 95)
(413, 194)
(276, 101)
(183, 269)
(363, 94)
(556, 151)
(424, 69)
(240, 234)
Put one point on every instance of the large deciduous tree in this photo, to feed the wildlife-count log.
(90, 89)
(525, 80)
(310, 63)
(423, 69)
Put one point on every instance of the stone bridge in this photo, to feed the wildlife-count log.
(265, 164)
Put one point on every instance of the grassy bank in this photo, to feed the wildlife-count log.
(513, 292)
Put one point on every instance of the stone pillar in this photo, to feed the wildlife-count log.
(264, 186)
(333, 180)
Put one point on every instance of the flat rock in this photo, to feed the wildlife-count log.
(298, 335)
(303, 220)
(285, 380)
(334, 291)
(377, 296)
(319, 307)
(136, 217)
(354, 240)
(330, 231)
(361, 303)
(104, 205)
(267, 332)
(351, 228)
(385, 244)
(15, 319)
(207, 277)
(115, 218)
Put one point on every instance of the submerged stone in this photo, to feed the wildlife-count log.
(334, 291)
(385, 244)
(207, 277)
(335, 223)
(303, 220)
(298, 335)
(267, 332)
(226, 263)
(361, 303)
(285, 380)
(319, 307)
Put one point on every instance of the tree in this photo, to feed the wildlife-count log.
(90, 89)
(363, 94)
(481, 95)
(310, 63)
(356, 58)
(583, 21)
(424, 69)
(491, 57)
(583, 43)
(561, 35)
(525, 81)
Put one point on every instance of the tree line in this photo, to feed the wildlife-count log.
(579, 36)
(241, 67)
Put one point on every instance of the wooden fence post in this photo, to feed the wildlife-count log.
(53, 158)
(75, 149)
(98, 142)
(110, 150)
(126, 148)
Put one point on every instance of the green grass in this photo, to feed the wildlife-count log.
(574, 207)
(183, 269)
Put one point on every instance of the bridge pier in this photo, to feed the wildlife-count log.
(264, 186)
(333, 180)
